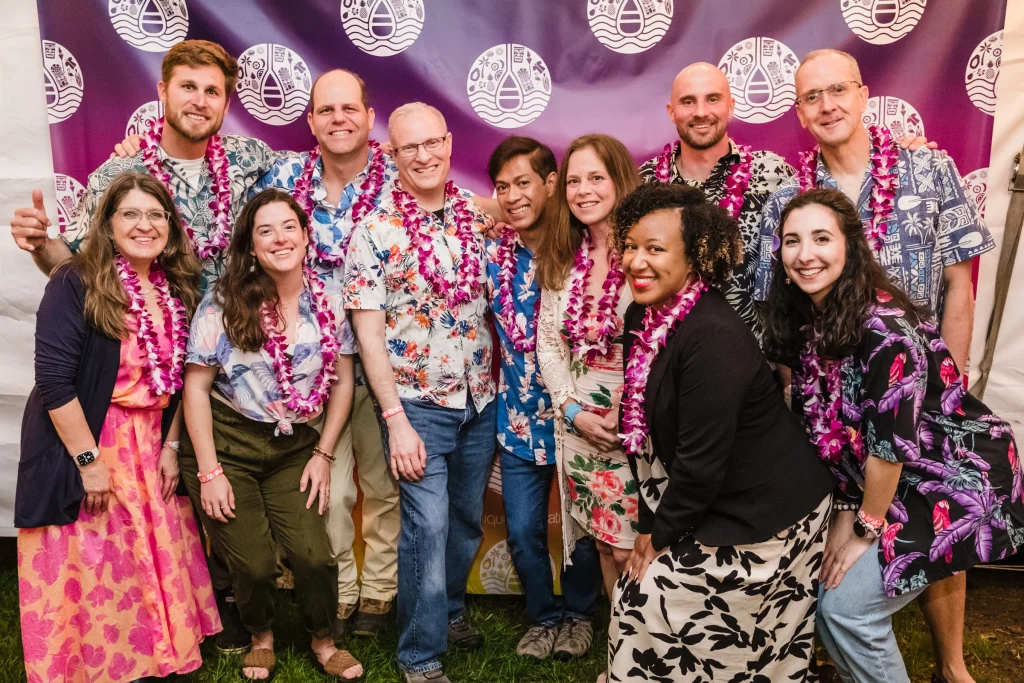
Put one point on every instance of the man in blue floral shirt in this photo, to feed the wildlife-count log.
(524, 173)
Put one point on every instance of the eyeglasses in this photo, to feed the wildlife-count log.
(836, 91)
(431, 145)
(132, 217)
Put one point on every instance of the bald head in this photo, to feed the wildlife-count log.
(701, 105)
(413, 110)
(340, 79)
(699, 75)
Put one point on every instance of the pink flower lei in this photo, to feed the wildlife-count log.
(659, 321)
(736, 183)
(822, 412)
(276, 345)
(507, 268)
(368, 192)
(884, 157)
(467, 280)
(164, 376)
(218, 236)
(578, 308)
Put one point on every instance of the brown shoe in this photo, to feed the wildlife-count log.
(372, 618)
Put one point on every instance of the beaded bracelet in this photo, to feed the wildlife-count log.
(845, 507)
(390, 412)
(211, 475)
(324, 454)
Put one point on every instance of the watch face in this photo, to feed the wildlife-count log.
(859, 529)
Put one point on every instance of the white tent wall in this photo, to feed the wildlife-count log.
(26, 162)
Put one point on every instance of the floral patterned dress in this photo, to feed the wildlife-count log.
(959, 499)
(597, 490)
(125, 593)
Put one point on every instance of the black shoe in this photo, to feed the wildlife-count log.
(373, 617)
(937, 677)
(235, 639)
(827, 673)
(464, 636)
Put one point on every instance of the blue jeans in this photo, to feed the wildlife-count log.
(855, 623)
(525, 489)
(441, 526)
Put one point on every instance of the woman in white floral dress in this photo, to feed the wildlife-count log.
(579, 344)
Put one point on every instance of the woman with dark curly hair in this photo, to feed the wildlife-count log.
(929, 479)
(733, 503)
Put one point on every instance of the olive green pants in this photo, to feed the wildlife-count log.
(264, 472)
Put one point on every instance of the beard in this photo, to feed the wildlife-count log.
(176, 120)
(702, 143)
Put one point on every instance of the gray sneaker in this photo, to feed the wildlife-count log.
(435, 676)
(462, 635)
(574, 639)
(537, 642)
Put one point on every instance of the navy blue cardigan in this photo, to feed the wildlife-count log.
(72, 360)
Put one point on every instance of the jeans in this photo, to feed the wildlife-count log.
(441, 526)
(525, 489)
(855, 623)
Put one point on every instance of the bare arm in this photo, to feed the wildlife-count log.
(958, 312)
(339, 405)
(199, 414)
(73, 430)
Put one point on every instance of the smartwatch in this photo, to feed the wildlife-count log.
(87, 457)
(569, 418)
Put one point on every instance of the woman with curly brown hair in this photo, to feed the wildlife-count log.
(733, 503)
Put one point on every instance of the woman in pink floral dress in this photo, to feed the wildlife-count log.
(113, 582)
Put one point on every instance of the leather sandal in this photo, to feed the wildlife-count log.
(260, 658)
(339, 662)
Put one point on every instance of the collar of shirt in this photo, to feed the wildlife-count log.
(717, 173)
(320, 188)
(174, 167)
(824, 179)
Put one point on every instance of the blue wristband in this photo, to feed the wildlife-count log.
(571, 412)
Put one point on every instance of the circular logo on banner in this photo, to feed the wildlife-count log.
(140, 121)
(509, 85)
(64, 84)
(760, 73)
(273, 83)
(629, 26)
(983, 72)
(976, 186)
(882, 21)
(895, 114)
(496, 571)
(69, 193)
(150, 25)
(382, 27)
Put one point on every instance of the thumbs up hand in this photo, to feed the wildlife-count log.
(28, 226)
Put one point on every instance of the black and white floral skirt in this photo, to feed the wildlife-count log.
(732, 614)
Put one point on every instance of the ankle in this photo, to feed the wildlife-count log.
(953, 673)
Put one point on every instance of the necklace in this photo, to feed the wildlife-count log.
(579, 305)
(515, 326)
(736, 182)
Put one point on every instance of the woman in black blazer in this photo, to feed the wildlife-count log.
(733, 499)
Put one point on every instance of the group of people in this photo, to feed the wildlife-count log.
(258, 330)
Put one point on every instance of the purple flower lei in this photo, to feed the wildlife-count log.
(467, 280)
(164, 376)
(507, 268)
(276, 345)
(736, 183)
(822, 413)
(578, 307)
(217, 159)
(368, 192)
(884, 157)
(659, 321)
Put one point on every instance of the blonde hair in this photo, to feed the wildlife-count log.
(838, 53)
(413, 108)
(196, 53)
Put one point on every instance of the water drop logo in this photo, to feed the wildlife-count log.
(69, 193)
(881, 22)
(760, 73)
(143, 118)
(509, 85)
(983, 72)
(150, 25)
(497, 574)
(895, 114)
(629, 26)
(494, 481)
(64, 83)
(382, 28)
(976, 187)
(273, 83)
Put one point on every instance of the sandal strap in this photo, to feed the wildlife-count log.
(339, 662)
(260, 658)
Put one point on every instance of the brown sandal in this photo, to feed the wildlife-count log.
(261, 658)
(339, 662)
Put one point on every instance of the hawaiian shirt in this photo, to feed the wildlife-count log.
(768, 170)
(248, 160)
(437, 353)
(526, 425)
(246, 378)
(936, 224)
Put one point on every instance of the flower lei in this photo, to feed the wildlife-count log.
(507, 268)
(659, 321)
(884, 157)
(467, 280)
(276, 344)
(577, 310)
(368, 192)
(736, 182)
(822, 413)
(164, 376)
(218, 237)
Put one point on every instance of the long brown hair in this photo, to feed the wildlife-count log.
(106, 304)
(244, 286)
(563, 237)
(843, 311)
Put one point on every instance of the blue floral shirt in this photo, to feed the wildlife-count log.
(935, 225)
(526, 426)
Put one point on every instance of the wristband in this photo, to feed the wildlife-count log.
(173, 445)
(391, 412)
(873, 522)
(324, 454)
(211, 475)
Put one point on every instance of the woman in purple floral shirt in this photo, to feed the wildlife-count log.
(930, 480)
